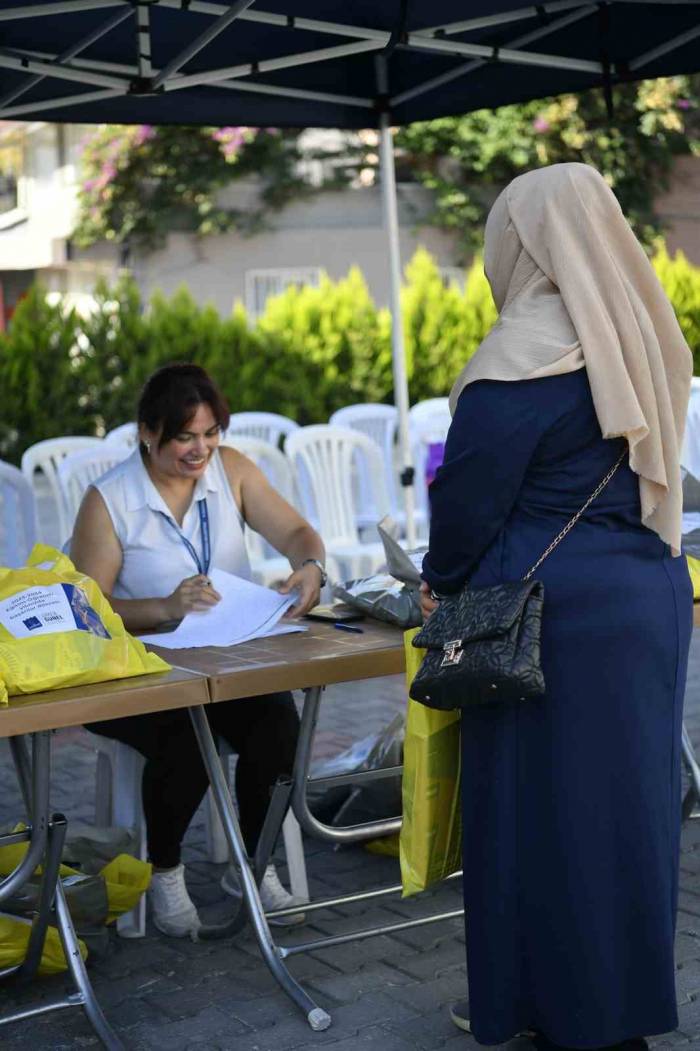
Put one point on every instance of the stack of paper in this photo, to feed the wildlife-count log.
(246, 611)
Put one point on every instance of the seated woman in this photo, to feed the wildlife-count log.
(148, 532)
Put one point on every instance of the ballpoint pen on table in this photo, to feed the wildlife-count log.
(348, 627)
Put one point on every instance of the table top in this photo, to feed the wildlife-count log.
(103, 700)
(320, 656)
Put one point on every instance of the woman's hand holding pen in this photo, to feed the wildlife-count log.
(191, 594)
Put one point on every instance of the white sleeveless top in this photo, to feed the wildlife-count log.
(155, 559)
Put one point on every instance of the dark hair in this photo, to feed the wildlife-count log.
(171, 396)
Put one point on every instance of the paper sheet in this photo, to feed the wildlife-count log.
(246, 611)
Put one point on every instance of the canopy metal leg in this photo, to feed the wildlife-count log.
(317, 1018)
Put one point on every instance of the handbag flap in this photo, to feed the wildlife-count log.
(476, 613)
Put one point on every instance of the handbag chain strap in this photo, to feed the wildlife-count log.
(572, 521)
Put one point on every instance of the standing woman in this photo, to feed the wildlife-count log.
(149, 531)
(571, 801)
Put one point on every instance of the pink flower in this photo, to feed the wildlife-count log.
(109, 170)
(540, 125)
(144, 132)
(683, 103)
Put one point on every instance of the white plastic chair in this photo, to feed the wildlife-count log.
(118, 802)
(327, 456)
(269, 426)
(79, 469)
(378, 422)
(429, 421)
(268, 565)
(45, 457)
(124, 434)
(18, 524)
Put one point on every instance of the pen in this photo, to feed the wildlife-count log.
(348, 627)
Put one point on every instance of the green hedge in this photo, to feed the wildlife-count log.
(313, 351)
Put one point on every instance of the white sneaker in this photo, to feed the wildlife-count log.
(272, 895)
(172, 908)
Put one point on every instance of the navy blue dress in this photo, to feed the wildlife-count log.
(571, 801)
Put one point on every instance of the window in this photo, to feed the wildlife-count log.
(261, 284)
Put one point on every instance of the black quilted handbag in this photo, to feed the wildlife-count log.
(483, 644)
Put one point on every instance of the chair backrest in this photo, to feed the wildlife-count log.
(79, 469)
(429, 422)
(278, 471)
(17, 516)
(375, 420)
(269, 426)
(271, 461)
(327, 455)
(45, 457)
(124, 434)
(379, 422)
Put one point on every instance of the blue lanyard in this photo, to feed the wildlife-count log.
(203, 563)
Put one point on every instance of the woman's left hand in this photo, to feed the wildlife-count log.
(307, 581)
(428, 604)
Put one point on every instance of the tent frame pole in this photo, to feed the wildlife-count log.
(391, 227)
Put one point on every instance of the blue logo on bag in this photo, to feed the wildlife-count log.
(31, 622)
(85, 617)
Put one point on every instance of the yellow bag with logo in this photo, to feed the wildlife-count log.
(57, 629)
(431, 833)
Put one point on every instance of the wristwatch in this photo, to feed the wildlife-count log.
(319, 566)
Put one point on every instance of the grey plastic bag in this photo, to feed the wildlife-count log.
(391, 596)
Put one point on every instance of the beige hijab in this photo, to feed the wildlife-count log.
(574, 288)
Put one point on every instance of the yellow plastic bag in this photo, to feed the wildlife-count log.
(694, 570)
(126, 878)
(14, 937)
(431, 832)
(57, 629)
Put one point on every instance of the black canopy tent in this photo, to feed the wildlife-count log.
(323, 63)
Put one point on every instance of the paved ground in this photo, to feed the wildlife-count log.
(387, 993)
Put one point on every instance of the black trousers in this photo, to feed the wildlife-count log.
(262, 730)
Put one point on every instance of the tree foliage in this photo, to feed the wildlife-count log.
(138, 182)
(312, 351)
(465, 161)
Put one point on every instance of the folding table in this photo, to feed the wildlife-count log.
(319, 657)
(37, 715)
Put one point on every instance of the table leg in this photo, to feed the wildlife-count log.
(317, 1018)
(34, 785)
(34, 781)
(302, 762)
(692, 796)
(47, 893)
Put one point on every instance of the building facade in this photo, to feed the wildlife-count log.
(328, 231)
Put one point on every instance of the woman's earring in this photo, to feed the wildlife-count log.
(148, 446)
